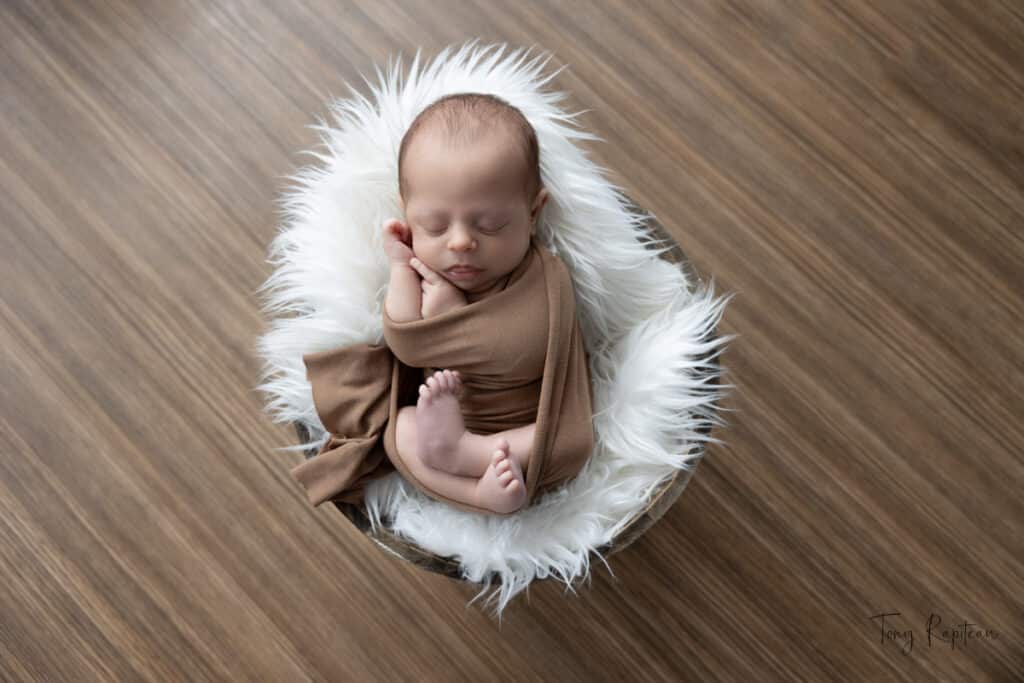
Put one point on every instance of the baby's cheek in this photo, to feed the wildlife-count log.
(432, 264)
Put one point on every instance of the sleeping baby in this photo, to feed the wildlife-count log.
(470, 188)
(481, 395)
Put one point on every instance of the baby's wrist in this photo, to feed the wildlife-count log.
(401, 264)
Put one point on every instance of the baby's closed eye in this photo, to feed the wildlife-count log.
(436, 230)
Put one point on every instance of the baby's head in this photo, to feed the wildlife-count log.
(470, 187)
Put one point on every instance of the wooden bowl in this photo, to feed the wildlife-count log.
(664, 497)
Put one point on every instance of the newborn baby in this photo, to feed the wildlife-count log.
(469, 181)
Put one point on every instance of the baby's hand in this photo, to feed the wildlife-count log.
(397, 242)
(439, 295)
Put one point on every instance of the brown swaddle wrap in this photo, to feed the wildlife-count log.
(521, 358)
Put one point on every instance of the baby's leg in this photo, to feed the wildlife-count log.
(500, 489)
(443, 441)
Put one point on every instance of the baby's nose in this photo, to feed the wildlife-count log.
(460, 239)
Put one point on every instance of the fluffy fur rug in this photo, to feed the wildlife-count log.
(644, 324)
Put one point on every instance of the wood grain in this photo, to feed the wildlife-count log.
(853, 171)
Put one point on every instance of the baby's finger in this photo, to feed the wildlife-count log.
(391, 232)
(405, 232)
(425, 272)
(394, 226)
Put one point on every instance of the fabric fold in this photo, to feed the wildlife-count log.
(521, 357)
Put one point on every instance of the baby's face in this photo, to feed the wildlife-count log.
(466, 206)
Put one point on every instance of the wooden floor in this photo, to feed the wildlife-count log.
(853, 171)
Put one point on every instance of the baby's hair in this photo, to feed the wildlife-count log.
(465, 116)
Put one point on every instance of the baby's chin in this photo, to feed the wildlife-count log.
(476, 286)
(468, 287)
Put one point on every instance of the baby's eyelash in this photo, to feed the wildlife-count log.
(438, 231)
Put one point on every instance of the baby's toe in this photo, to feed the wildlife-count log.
(443, 381)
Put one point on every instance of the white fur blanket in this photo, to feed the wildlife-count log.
(644, 324)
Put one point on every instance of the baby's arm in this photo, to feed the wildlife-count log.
(403, 302)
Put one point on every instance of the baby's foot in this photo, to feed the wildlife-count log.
(501, 488)
(439, 425)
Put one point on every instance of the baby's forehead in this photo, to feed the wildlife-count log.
(492, 148)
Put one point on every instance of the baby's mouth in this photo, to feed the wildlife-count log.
(462, 272)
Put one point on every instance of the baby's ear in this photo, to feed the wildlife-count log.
(538, 203)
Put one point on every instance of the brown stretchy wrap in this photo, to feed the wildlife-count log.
(521, 358)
